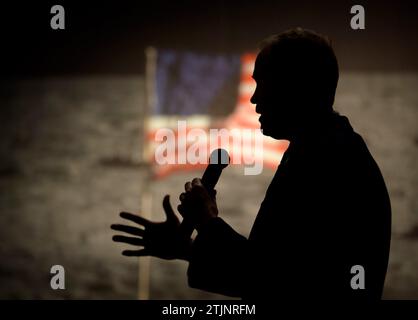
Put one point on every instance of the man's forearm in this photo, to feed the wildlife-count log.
(216, 260)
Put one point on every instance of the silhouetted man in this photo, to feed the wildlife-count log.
(326, 210)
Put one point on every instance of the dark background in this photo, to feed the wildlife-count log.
(109, 37)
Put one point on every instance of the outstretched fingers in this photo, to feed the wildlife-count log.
(168, 209)
(135, 253)
(137, 219)
(128, 229)
(129, 240)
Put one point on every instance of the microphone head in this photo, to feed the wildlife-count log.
(219, 157)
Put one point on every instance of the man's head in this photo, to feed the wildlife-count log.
(296, 73)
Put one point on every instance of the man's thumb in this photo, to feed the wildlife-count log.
(168, 209)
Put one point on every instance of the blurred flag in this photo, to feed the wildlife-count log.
(188, 91)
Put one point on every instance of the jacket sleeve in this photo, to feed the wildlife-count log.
(217, 262)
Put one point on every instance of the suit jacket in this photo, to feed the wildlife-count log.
(326, 210)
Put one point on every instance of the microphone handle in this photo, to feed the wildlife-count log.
(219, 159)
(209, 183)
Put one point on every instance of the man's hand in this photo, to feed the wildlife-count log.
(197, 205)
(159, 239)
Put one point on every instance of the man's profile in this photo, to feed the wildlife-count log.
(326, 210)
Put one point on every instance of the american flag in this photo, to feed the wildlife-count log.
(206, 91)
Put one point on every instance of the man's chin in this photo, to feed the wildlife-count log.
(272, 133)
(267, 132)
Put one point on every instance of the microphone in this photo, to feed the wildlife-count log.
(218, 160)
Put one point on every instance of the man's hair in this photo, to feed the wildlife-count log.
(307, 59)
